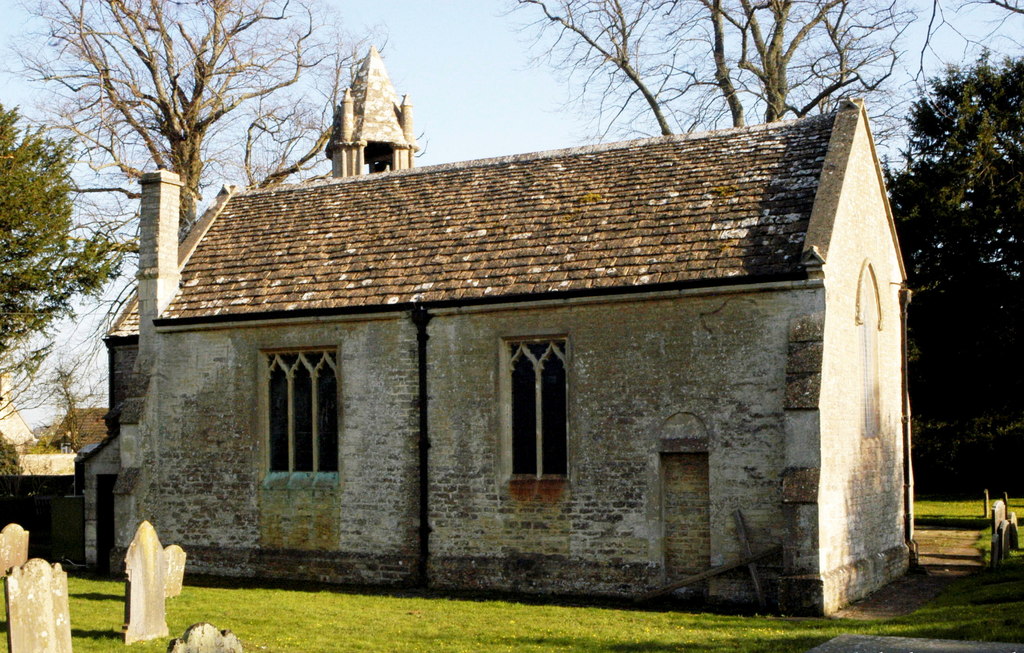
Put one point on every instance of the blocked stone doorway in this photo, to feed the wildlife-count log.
(685, 514)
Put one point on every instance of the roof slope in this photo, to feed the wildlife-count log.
(697, 207)
(87, 423)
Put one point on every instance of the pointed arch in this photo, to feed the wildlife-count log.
(869, 323)
(869, 300)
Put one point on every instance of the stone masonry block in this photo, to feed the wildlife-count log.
(804, 357)
(800, 485)
(803, 390)
(807, 328)
(802, 595)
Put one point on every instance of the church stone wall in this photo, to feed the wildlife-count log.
(698, 374)
(125, 382)
(106, 461)
(634, 367)
(203, 481)
(861, 499)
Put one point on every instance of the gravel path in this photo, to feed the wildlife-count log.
(945, 554)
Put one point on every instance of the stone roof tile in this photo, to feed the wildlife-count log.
(703, 206)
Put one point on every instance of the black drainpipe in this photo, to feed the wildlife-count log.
(908, 469)
(421, 317)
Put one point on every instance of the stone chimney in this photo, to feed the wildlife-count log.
(158, 253)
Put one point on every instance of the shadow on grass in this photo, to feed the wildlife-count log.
(796, 644)
(970, 523)
(97, 596)
(97, 634)
(616, 603)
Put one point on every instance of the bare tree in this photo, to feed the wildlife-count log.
(616, 38)
(73, 395)
(67, 427)
(695, 62)
(1015, 6)
(211, 89)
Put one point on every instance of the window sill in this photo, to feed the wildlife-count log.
(300, 480)
(530, 488)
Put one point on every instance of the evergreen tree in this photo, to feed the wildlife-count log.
(959, 203)
(9, 463)
(45, 261)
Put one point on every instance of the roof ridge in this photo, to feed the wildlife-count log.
(537, 156)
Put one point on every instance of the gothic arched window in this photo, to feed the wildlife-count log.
(538, 401)
(302, 406)
(869, 323)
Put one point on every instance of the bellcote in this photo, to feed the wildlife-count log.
(372, 132)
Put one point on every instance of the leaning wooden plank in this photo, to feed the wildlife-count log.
(741, 532)
(714, 571)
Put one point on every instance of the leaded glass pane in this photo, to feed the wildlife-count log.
(278, 420)
(524, 417)
(302, 406)
(538, 349)
(327, 420)
(553, 416)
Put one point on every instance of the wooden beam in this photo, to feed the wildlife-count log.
(741, 532)
(714, 571)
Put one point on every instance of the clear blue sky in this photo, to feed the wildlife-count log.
(467, 69)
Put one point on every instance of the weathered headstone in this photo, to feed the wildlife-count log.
(1004, 537)
(1014, 536)
(13, 547)
(985, 511)
(37, 609)
(174, 575)
(205, 638)
(995, 550)
(1006, 500)
(998, 514)
(144, 614)
(1000, 544)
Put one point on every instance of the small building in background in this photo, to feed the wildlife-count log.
(77, 429)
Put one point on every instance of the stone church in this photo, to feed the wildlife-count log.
(557, 373)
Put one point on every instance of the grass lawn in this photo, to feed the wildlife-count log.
(953, 512)
(316, 618)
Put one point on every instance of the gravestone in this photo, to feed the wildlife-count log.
(174, 575)
(995, 554)
(1014, 537)
(205, 638)
(998, 514)
(144, 614)
(1000, 544)
(13, 547)
(1004, 539)
(984, 512)
(37, 609)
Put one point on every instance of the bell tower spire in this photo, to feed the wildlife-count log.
(372, 132)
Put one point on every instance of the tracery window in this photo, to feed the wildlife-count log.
(303, 411)
(538, 407)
